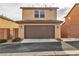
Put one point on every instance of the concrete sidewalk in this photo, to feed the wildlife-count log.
(43, 40)
(38, 40)
(45, 53)
(70, 39)
(48, 40)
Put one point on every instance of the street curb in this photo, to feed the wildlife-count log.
(46, 53)
(72, 52)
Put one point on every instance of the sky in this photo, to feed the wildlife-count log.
(11, 8)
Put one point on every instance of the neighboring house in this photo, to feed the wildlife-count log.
(70, 28)
(39, 23)
(8, 28)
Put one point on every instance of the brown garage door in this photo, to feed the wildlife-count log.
(39, 32)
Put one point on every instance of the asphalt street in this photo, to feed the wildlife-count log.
(39, 47)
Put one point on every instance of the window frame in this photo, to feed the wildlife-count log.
(39, 13)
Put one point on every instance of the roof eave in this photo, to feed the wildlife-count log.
(39, 7)
(39, 22)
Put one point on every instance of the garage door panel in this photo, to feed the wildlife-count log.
(38, 32)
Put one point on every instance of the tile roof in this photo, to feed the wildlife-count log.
(6, 18)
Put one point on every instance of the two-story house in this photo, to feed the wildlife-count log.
(39, 23)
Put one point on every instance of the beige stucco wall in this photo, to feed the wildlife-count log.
(21, 31)
(57, 30)
(28, 14)
(5, 34)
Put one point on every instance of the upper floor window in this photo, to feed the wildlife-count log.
(39, 14)
(36, 14)
(42, 14)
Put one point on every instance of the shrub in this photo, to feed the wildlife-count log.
(3, 40)
(17, 40)
(59, 39)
